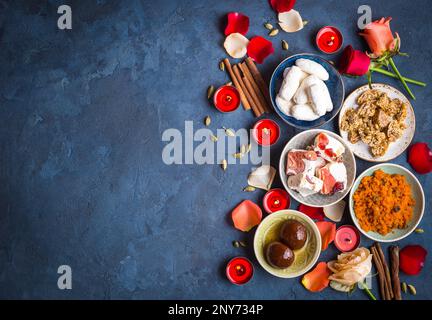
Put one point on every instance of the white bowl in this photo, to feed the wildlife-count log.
(417, 193)
(362, 150)
(301, 141)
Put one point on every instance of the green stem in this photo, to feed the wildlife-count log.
(395, 69)
(369, 293)
(390, 74)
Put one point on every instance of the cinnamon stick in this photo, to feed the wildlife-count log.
(251, 91)
(381, 276)
(236, 82)
(259, 79)
(254, 107)
(244, 68)
(394, 265)
(386, 269)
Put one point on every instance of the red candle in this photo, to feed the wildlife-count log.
(329, 39)
(239, 270)
(275, 200)
(347, 238)
(226, 99)
(266, 132)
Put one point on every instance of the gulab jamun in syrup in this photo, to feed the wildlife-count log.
(279, 255)
(293, 234)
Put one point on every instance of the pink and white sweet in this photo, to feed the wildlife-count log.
(318, 169)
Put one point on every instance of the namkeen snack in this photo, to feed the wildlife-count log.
(383, 202)
(378, 121)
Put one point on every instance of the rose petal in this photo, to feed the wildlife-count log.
(312, 212)
(282, 5)
(335, 212)
(318, 279)
(259, 48)
(290, 21)
(236, 45)
(246, 215)
(328, 233)
(412, 258)
(262, 177)
(237, 23)
(420, 157)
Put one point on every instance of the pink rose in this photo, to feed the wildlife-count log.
(379, 36)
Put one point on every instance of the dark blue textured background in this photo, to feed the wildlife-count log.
(82, 114)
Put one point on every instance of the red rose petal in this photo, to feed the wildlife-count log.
(412, 258)
(246, 215)
(237, 23)
(259, 48)
(282, 5)
(312, 212)
(420, 157)
(328, 233)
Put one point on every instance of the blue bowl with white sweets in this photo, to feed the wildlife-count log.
(306, 91)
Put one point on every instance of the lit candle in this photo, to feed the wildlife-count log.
(329, 39)
(276, 200)
(347, 238)
(239, 270)
(226, 99)
(266, 132)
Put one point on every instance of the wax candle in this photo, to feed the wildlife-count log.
(266, 132)
(226, 98)
(275, 200)
(347, 238)
(239, 270)
(329, 39)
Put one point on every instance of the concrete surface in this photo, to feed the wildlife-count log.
(82, 182)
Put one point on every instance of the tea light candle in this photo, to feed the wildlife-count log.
(266, 132)
(329, 39)
(239, 270)
(347, 238)
(226, 98)
(275, 200)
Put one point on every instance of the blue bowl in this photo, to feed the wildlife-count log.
(334, 84)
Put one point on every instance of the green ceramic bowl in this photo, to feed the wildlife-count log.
(417, 193)
(268, 231)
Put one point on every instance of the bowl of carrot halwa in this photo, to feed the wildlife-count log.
(386, 202)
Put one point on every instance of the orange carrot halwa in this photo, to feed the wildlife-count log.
(383, 202)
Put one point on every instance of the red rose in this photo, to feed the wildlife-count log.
(354, 62)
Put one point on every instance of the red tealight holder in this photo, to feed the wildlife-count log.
(275, 200)
(266, 132)
(347, 238)
(226, 99)
(239, 270)
(329, 39)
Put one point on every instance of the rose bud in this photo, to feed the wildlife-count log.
(379, 37)
(354, 62)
